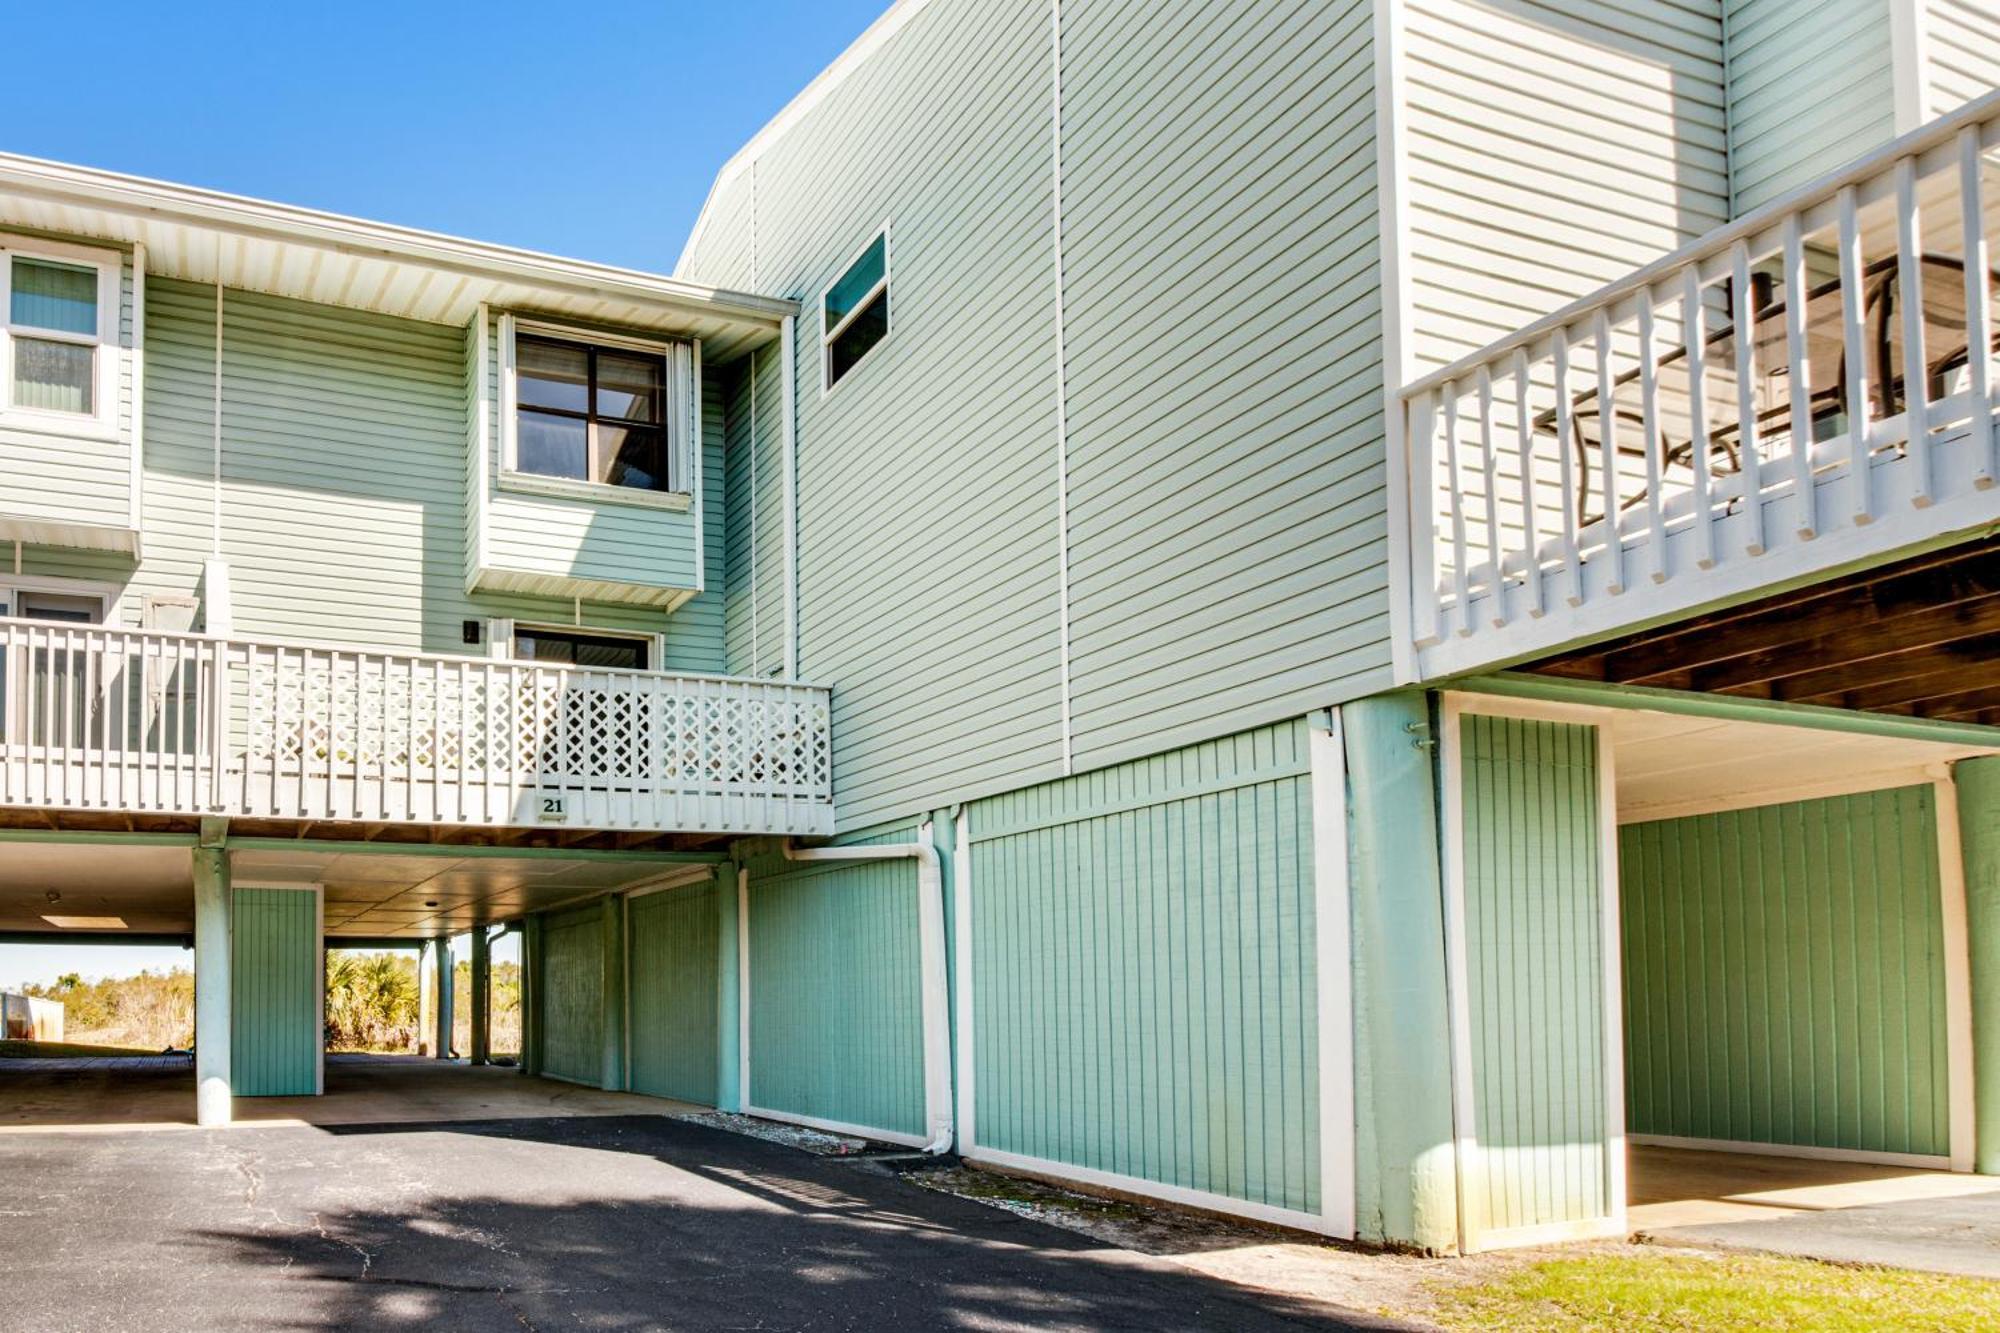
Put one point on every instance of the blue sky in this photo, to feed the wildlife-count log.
(589, 130)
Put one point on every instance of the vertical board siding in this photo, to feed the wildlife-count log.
(275, 1024)
(1962, 43)
(1784, 975)
(1145, 992)
(344, 489)
(1810, 88)
(674, 938)
(572, 995)
(836, 999)
(76, 478)
(1228, 539)
(1534, 973)
(1552, 147)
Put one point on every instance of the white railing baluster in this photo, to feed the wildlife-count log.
(1566, 460)
(1655, 442)
(1427, 593)
(1489, 471)
(1750, 448)
(1798, 361)
(1531, 527)
(1694, 327)
(1978, 310)
(1607, 457)
(1460, 581)
(1916, 366)
(1854, 331)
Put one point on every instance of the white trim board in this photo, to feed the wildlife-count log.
(1792, 1150)
(1149, 1189)
(1334, 957)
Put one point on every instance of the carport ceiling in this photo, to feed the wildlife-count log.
(1920, 638)
(372, 894)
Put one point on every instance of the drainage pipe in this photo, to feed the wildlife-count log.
(930, 927)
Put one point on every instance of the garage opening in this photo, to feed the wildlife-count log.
(1706, 970)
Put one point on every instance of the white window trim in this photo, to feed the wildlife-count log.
(827, 384)
(107, 594)
(502, 632)
(102, 421)
(682, 420)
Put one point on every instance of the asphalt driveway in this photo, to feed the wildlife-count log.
(607, 1222)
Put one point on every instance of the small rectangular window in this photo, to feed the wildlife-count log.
(854, 313)
(569, 648)
(590, 413)
(52, 332)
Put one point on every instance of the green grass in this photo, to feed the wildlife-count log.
(51, 1050)
(1640, 1293)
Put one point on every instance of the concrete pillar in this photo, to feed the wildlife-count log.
(1406, 1187)
(211, 985)
(441, 960)
(613, 995)
(531, 995)
(482, 972)
(729, 891)
(1978, 782)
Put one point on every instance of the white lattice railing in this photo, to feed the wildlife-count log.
(1738, 415)
(93, 718)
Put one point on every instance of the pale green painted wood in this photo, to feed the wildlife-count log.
(1809, 89)
(1144, 975)
(728, 993)
(1978, 784)
(1405, 1164)
(1785, 975)
(1534, 975)
(675, 949)
(1227, 510)
(571, 985)
(836, 1002)
(345, 513)
(275, 1021)
(613, 1000)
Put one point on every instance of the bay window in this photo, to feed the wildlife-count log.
(598, 413)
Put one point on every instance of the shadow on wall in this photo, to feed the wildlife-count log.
(648, 1222)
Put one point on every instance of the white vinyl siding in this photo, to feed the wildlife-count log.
(1962, 47)
(1552, 147)
(1810, 88)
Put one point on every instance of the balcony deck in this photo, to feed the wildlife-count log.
(1735, 418)
(96, 719)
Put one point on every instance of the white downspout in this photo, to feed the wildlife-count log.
(930, 929)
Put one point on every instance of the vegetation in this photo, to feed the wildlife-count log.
(371, 1001)
(152, 1011)
(1681, 1290)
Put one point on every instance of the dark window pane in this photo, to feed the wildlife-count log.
(52, 376)
(630, 387)
(854, 284)
(869, 327)
(553, 446)
(587, 650)
(633, 456)
(47, 295)
(552, 374)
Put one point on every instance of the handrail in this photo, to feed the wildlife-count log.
(1937, 135)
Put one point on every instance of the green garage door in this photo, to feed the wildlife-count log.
(572, 977)
(675, 935)
(275, 1023)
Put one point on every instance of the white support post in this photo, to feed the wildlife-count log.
(211, 985)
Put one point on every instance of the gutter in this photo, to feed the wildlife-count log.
(930, 928)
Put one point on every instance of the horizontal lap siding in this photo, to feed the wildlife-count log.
(1144, 971)
(1228, 547)
(1810, 88)
(75, 480)
(573, 990)
(836, 1000)
(754, 553)
(1553, 147)
(275, 1021)
(1784, 975)
(674, 938)
(1963, 48)
(343, 473)
(1534, 974)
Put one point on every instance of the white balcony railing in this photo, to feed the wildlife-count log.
(1810, 386)
(93, 718)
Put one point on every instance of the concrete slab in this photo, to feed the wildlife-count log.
(1842, 1212)
(621, 1222)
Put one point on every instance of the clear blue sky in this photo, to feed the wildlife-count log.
(590, 130)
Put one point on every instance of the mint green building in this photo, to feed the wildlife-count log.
(1358, 615)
